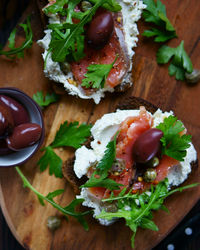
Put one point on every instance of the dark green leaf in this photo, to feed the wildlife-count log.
(43, 100)
(97, 74)
(71, 134)
(19, 52)
(160, 35)
(174, 144)
(51, 159)
(155, 12)
(99, 177)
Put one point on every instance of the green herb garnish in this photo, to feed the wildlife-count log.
(136, 209)
(97, 74)
(180, 63)
(19, 51)
(67, 38)
(45, 100)
(51, 159)
(69, 134)
(67, 211)
(174, 144)
(102, 169)
(155, 12)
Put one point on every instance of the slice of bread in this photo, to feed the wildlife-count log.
(126, 104)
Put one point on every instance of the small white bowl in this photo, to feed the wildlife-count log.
(17, 158)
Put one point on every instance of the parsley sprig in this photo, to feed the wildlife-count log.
(174, 144)
(136, 209)
(19, 51)
(67, 38)
(180, 63)
(155, 13)
(45, 100)
(102, 169)
(69, 134)
(67, 210)
(97, 74)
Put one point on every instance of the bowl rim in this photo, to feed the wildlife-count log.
(41, 140)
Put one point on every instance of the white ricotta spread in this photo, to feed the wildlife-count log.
(131, 11)
(102, 132)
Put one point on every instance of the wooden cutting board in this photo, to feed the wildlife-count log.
(25, 216)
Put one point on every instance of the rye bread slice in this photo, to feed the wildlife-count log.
(128, 103)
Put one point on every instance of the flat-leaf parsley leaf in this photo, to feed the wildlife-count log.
(155, 12)
(180, 63)
(97, 74)
(44, 100)
(173, 143)
(71, 134)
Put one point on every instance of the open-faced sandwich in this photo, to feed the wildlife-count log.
(88, 45)
(136, 156)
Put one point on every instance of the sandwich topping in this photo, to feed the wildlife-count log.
(87, 34)
(133, 149)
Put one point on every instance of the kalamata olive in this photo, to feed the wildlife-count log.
(24, 135)
(19, 113)
(147, 145)
(100, 29)
(6, 121)
(4, 150)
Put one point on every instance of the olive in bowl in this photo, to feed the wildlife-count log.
(22, 127)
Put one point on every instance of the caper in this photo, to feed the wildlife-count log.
(150, 175)
(112, 207)
(154, 162)
(53, 222)
(85, 5)
(118, 166)
(65, 67)
(193, 77)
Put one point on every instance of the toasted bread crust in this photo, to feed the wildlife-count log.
(127, 103)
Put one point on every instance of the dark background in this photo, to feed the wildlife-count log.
(178, 238)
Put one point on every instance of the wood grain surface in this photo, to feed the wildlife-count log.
(25, 216)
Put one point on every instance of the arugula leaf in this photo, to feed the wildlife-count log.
(155, 12)
(97, 74)
(72, 134)
(56, 7)
(102, 169)
(140, 215)
(181, 62)
(44, 101)
(67, 39)
(19, 52)
(174, 144)
(111, 5)
(51, 159)
(102, 181)
(67, 211)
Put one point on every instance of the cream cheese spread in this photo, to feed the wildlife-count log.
(131, 12)
(102, 132)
